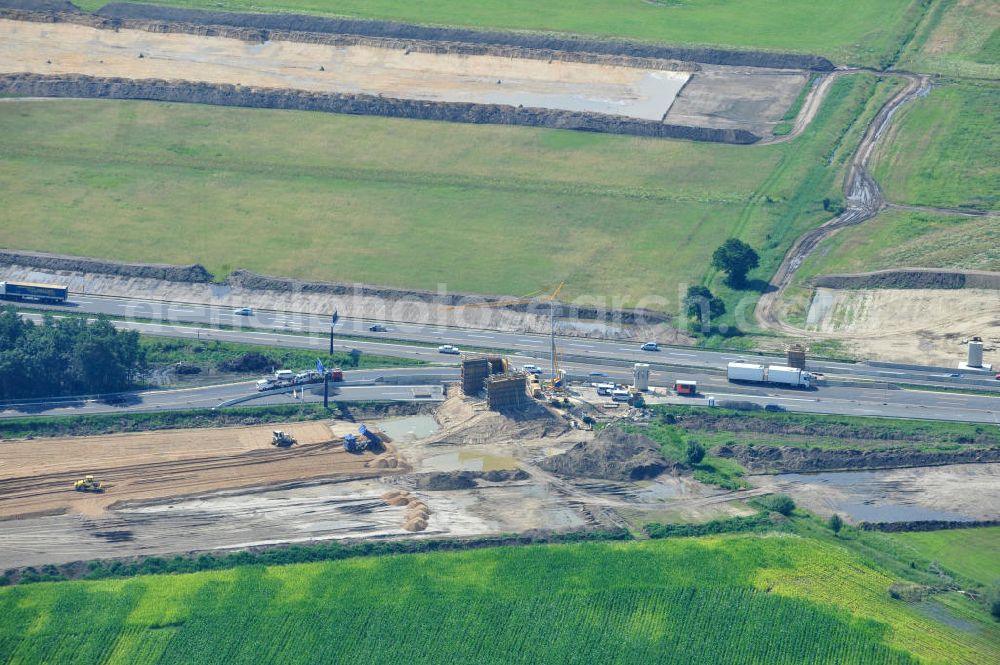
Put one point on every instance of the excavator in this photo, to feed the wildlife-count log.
(88, 484)
(281, 440)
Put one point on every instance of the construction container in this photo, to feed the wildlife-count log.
(506, 391)
(796, 356)
(683, 387)
(975, 353)
(640, 376)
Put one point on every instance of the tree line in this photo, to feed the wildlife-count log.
(66, 356)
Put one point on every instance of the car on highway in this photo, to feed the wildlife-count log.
(997, 377)
(532, 369)
(774, 408)
(378, 327)
(650, 346)
(266, 384)
(598, 374)
(448, 348)
(243, 311)
(954, 375)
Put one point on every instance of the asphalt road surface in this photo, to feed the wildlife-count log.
(268, 327)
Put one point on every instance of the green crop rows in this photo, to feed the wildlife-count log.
(747, 599)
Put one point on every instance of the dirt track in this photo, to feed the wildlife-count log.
(864, 201)
(37, 476)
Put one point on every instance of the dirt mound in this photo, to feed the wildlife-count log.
(913, 278)
(40, 5)
(463, 480)
(369, 28)
(789, 459)
(612, 455)
(56, 262)
(34, 85)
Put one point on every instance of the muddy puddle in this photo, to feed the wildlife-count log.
(467, 460)
(410, 428)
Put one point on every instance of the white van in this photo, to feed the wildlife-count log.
(284, 375)
(620, 395)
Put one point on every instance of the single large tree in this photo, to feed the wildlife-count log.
(736, 259)
(701, 304)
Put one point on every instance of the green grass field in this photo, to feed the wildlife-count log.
(971, 553)
(902, 238)
(749, 599)
(209, 354)
(945, 149)
(411, 203)
(957, 38)
(849, 32)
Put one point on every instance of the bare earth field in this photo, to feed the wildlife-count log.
(65, 48)
(37, 476)
(718, 97)
(922, 324)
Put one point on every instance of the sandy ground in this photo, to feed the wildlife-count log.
(36, 476)
(739, 98)
(952, 492)
(65, 48)
(911, 325)
(304, 498)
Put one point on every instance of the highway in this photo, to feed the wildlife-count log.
(581, 357)
(265, 326)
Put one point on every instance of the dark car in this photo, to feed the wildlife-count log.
(598, 374)
(378, 327)
(775, 408)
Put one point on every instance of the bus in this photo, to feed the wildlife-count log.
(51, 293)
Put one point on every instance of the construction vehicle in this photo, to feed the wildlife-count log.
(772, 374)
(88, 484)
(374, 441)
(353, 444)
(281, 439)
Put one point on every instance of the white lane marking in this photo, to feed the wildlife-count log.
(483, 336)
(585, 346)
(82, 302)
(530, 341)
(674, 353)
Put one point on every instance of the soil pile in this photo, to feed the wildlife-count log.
(913, 278)
(56, 262)
(789, 459)
(371, 28)
(612, 455)
(463, 480)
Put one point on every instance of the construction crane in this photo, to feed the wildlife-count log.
(553, 382)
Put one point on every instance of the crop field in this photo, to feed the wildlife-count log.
(958, 38)
(971, 553)
(945, 149)
(849, 32)
(902, 238)
(411, 203)
(721, 599)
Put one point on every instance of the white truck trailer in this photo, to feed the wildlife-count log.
(771, 374)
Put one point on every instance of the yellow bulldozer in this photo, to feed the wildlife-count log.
(88, 484)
